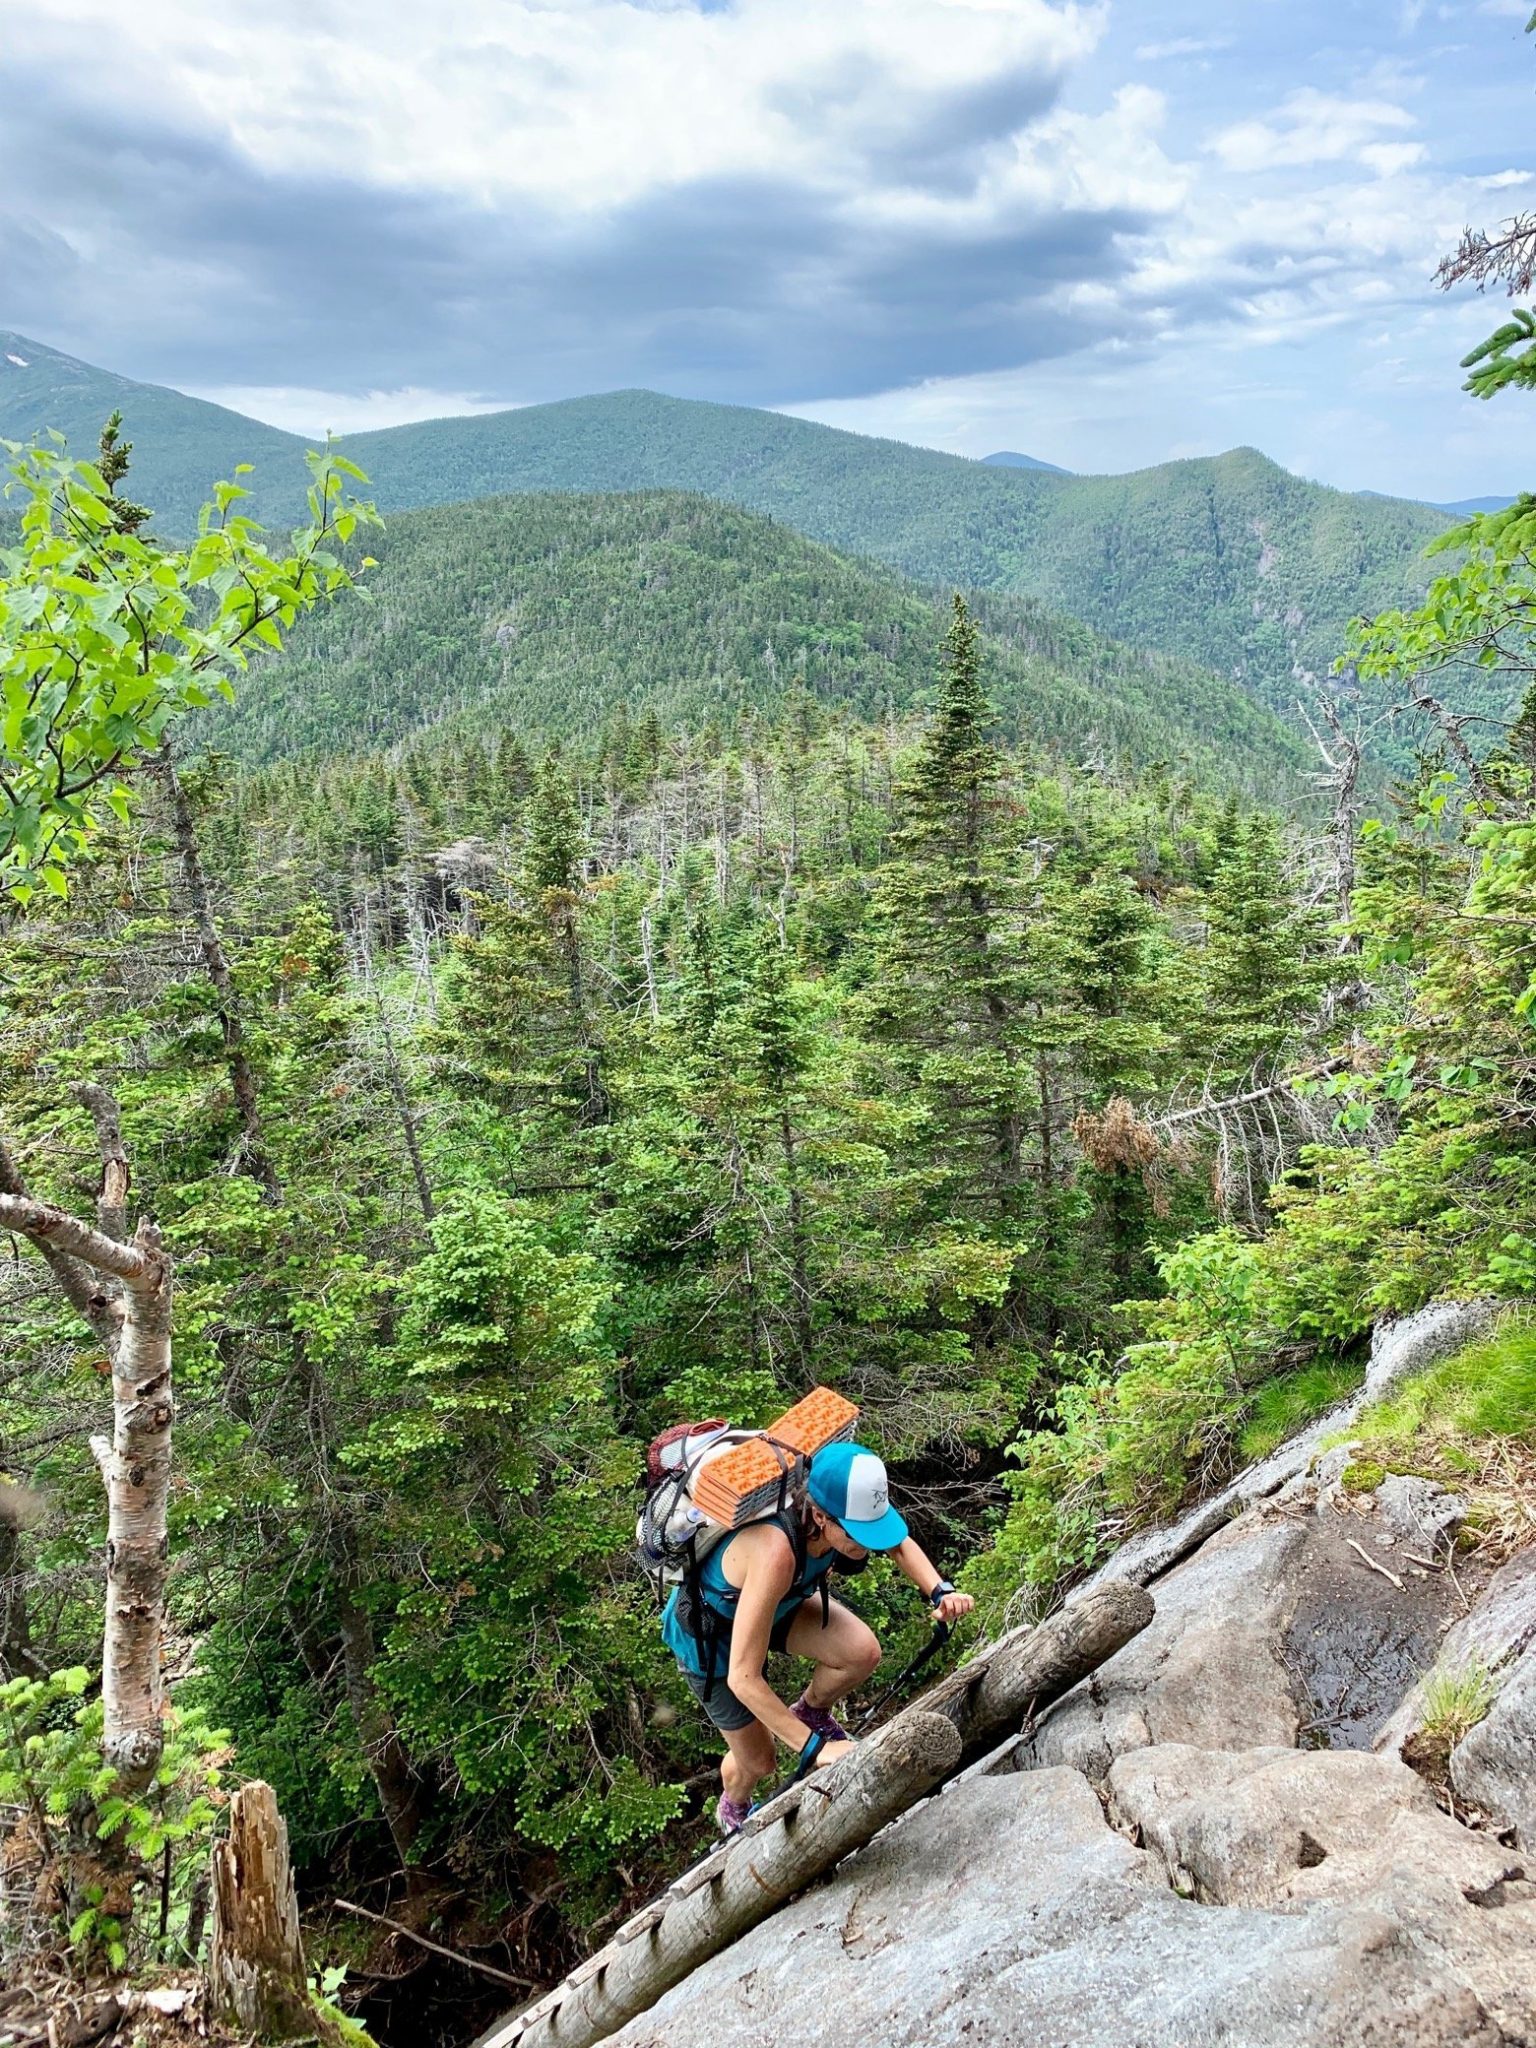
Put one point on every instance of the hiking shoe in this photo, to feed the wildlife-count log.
(818, 1720)
(731, 1815)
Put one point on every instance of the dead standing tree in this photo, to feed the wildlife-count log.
(1254, 1133)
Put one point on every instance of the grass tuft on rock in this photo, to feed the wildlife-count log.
(1283, 1406)
(1485, 1391)
(1455, 1700)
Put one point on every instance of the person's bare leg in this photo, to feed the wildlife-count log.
(748, 1759)
(845, 1652)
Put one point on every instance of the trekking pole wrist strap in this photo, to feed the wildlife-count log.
(810, 1749)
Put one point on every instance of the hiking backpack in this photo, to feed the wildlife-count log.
(675, 1533)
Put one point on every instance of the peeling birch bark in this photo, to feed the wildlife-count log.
(136, 1469)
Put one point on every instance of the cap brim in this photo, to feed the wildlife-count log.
(885, 1533)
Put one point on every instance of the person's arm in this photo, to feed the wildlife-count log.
(770, 1572)
(915, 1564)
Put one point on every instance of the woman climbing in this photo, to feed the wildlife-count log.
(765, 1588)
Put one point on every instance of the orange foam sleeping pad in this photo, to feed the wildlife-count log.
(739, 1484)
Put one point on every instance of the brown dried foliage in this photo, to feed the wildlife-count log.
(1116, 1136)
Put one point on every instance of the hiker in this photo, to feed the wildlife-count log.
(765, 1588)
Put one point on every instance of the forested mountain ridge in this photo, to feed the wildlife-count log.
(544, 613)
(1228, 561)
(182, 444)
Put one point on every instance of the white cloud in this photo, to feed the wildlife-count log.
(587, 104)
(1501, 181)
(1182, 46)
(315, 413)
(1311, 127)
(1386, 159)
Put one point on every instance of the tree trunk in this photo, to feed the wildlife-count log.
(242, 1079)
(409, 1128)
(136, 1468)
(802, 1833)
(799, 1254)
(17, 1657)
(138, 1475)
(399, 1788)
(256, 1959)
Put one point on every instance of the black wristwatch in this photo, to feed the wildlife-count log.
(940, 1592)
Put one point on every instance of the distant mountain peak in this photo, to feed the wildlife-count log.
(1008, 458)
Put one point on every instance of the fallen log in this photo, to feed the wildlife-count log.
(804, 1835)
(1026, 1670)
(813, 1825)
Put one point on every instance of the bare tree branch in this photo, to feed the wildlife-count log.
(1451, 723)
(72, 1279)
(45, 1226)
(1284, 1086)
(116, 1174)
(1507, 258)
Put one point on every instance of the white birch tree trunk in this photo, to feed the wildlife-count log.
(135, 1467)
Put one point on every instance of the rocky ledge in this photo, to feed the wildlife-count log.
(1216, 1838)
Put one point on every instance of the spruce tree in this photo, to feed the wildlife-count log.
(1264, 966)
(952, 983)
(112, 459)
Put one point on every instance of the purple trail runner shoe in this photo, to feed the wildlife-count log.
(731, 1815)
(818, 1720)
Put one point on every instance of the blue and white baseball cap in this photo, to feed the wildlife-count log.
(849, 1484)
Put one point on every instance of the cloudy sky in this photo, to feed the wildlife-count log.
(1105, 234)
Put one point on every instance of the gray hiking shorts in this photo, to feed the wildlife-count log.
(716, 1697)
(718, 1701)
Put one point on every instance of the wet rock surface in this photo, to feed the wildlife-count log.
(1274, 1631)
(1355, 1642)
(1010, 1911)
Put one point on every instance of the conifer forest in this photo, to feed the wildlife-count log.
(481, 985)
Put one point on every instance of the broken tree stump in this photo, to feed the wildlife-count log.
(256, 1959)
(813, 1825)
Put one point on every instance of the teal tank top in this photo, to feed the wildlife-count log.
(720, 1597)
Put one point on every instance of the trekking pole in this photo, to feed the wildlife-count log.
(942, 1631)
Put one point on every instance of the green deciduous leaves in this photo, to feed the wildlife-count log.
(106, 638)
